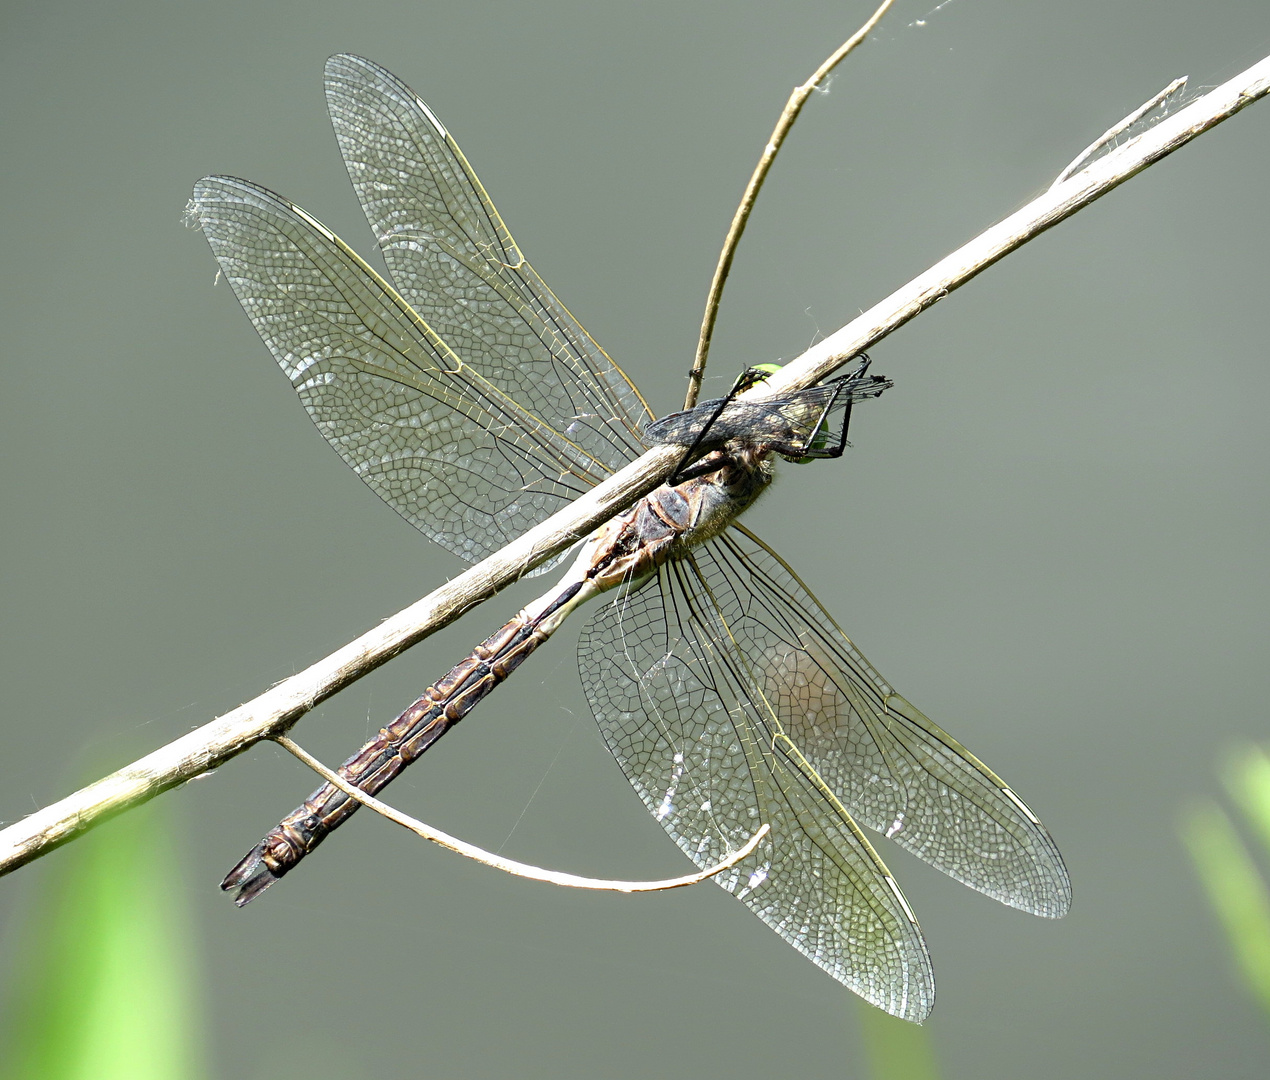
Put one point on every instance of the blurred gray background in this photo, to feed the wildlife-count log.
(1050, 536)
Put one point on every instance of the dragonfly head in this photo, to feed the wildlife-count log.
(825, 410)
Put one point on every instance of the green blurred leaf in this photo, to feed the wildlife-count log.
(1236, 890)
(104, 988)
(1248, 781)
(897, 1049)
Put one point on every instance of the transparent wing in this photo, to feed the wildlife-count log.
(681, 711)
(464, 460)
(895, 770)
(454, 261)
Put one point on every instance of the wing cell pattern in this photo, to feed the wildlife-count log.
(452, 258)
(895, 770)
(730, 697)
(461, 461)
(471, 401)
(681, 712)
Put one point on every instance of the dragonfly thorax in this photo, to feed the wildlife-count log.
(720, 496)
(669, 519)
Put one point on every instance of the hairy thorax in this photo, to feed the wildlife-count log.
(665, 521)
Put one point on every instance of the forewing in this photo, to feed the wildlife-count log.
(460, 459)
(454, 261)
(895, 770)
(682, 715)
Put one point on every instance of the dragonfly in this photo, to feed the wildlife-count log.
(469, 398)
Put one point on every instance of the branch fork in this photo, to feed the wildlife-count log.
(271, 714)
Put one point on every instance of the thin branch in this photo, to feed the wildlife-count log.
(788, 115)
(1045, 211)
(1124, 125)
(278, 708)
(274, 711)
(511, 866)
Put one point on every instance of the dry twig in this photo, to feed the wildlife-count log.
(511, 866)
(1116, 129)
(274, 711)
(789, 114)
